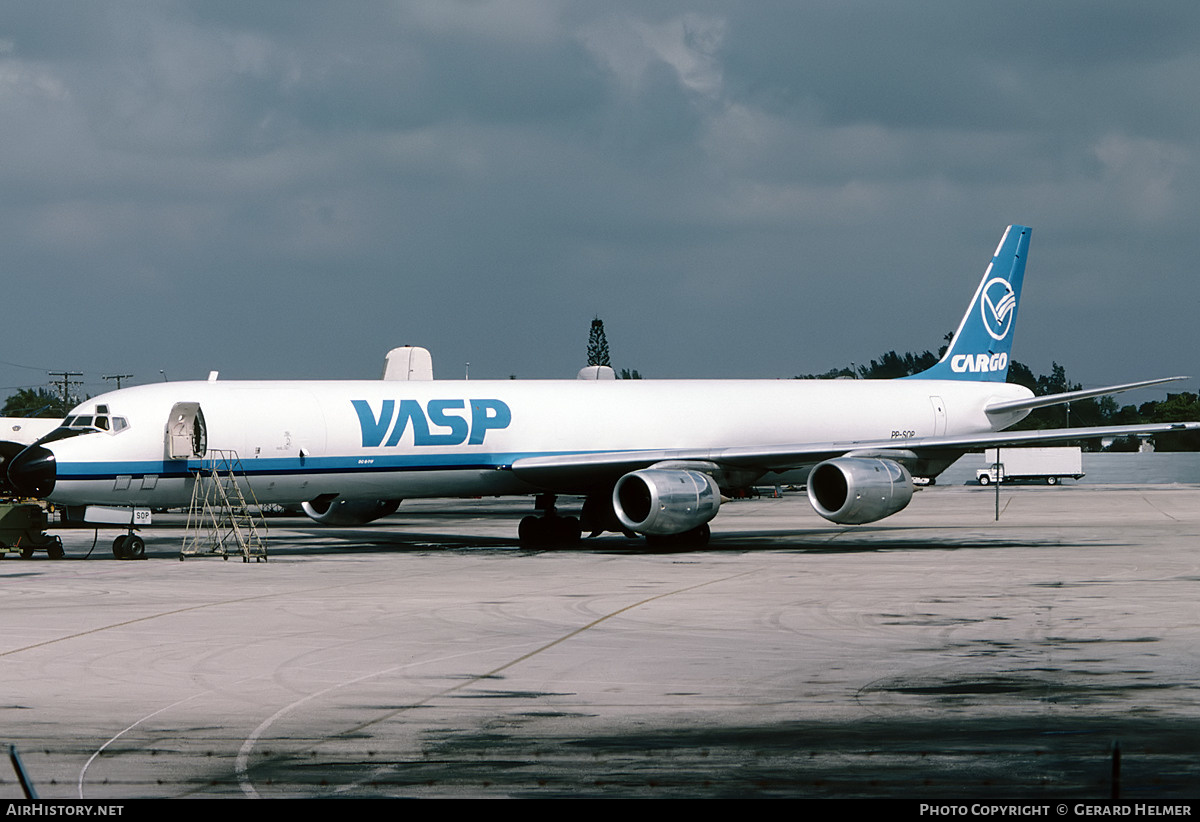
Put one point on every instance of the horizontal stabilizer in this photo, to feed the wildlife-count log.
(1070, 396)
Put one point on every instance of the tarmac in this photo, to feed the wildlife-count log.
(937, 654)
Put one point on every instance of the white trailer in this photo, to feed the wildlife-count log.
(1049, 465)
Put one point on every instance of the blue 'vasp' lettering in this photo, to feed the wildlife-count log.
(410, 410)
(457, 425)
(486, 415)
(373, 429)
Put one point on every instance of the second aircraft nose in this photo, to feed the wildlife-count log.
(33, 471)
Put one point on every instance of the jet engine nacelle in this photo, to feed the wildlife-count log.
(349, 511)
(660, 502)
(854, 490)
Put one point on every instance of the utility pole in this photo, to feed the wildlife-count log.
(118, 378)
(65, 385)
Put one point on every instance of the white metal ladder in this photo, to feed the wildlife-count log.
(220, 523)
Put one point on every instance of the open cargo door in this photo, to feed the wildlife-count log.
(187, 437)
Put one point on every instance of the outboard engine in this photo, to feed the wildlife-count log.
(856, 490)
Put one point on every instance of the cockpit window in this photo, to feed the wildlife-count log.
(65, 432)
(100, 422)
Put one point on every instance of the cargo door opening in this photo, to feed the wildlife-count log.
(187, 435)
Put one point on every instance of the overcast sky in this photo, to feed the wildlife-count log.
(289, 189)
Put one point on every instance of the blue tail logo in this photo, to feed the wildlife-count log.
(983, 341)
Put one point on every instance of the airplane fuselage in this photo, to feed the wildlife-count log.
(374, 439)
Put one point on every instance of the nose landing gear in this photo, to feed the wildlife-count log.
(129, 546)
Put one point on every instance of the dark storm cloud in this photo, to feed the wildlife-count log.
(288, 189)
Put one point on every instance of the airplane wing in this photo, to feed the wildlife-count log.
(587, 470)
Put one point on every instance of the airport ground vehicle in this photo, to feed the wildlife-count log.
(23, 529)
(1049, 465)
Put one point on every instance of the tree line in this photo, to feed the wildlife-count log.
(36, 402)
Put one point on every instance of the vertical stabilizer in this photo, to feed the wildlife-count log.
(980, 349)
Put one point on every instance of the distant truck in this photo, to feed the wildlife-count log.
(1047, 465)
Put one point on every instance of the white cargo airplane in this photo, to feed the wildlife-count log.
(650, 456)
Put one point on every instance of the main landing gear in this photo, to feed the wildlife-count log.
(549, 529)
(597, 517)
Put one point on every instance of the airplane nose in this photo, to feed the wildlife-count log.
(8, 452)
(33, 471)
